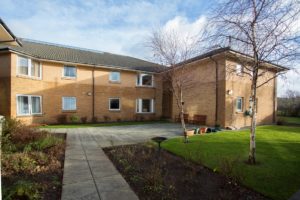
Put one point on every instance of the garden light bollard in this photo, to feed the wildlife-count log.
(1, 121)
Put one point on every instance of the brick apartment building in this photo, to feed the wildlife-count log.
(39, 82)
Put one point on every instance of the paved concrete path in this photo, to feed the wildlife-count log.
(295, 196)
(88, 172)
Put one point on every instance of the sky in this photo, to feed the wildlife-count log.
(114, 26)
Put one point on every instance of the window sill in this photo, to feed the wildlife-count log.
(111, 110)
(145, 113)
(31, 115)
(239, 112)
(69, 111)
(68, 78)
(144, 86)
(114, 82)
(29, 77)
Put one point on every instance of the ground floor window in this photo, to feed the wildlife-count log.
(114, 104)
(145, 105)
(239, 104)
(69, 103)
(29, 105)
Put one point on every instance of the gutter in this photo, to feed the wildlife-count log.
(93, 93)
(217, 90)
(15, 39)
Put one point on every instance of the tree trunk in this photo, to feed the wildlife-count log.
(252, 155)
(182, 117)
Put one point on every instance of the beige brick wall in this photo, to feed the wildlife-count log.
(53, 87)
(241, 87)
(200, 97)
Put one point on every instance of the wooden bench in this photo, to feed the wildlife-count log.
(199, 120)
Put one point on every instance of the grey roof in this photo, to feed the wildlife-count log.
(226, 49)
(55, 52)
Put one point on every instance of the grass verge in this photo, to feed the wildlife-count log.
(278, 148)
(102, 124)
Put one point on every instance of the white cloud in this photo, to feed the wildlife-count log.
(290, 81)
(184, 27)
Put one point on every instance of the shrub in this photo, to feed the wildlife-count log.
(18, 163)
(61, 119)
(84, 119)
(74, 119)
(22, 190)
(43, 143)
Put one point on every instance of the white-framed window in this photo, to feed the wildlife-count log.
(239, 69)
(69, 72)
(145, 105)
(239, 104)
(69, 103)
(29, 105)
(114, 104)
(29, 67)
(145, 80)
(115, 76)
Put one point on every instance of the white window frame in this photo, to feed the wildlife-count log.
(62, 101)
(29, 105)
(242, 104)
(110, 77)
(139, 106)
(139, 81)
(114, 98)
(239, 69)
(29, 61)
(69, 77)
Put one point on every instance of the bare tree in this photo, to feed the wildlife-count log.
(173, 50)
(265, 31)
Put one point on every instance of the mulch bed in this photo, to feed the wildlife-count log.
(154, 175)
(46, 174)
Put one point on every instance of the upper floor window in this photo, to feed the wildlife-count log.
(28, 67)
(69, 103)
(145, 80)
(29, 105)
(238, 69)
(239, 104)
(70, 72)
(114, 104)
(115, 76)
(145, 105)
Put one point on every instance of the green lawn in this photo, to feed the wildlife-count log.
(290, 120)
(277, 175)
(102, 124)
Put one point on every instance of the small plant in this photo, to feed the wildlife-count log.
(95, 119)
(280, 121)
(227, 168)
(61, 119)
(106, 118)
(119, 120)
(74, 119)
(22, 190)
(84, 119)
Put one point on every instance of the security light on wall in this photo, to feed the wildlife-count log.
(229, 92)
(89, 93)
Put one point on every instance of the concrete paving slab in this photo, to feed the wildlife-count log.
(80, 190)
(88, 172)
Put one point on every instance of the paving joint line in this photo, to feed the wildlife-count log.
(98, 192)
